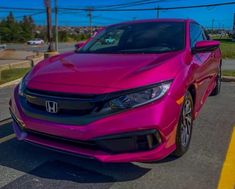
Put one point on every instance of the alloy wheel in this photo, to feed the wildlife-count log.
(186, 122)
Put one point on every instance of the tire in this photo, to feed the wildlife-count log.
(217, 88)
(185, 125)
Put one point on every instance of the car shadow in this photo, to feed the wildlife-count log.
(45, 165)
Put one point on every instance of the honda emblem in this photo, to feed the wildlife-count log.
(52, 107)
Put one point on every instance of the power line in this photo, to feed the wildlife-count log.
(18, 8)
(151, 9)
(37, 13)
(106, 10)
(131, 3)
(136, 9)
(143, 2)
(199, 6)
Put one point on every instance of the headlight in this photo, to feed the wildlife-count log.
(21, 87)
(140, 97)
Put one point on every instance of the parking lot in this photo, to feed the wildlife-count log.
(23, 165)
(62, 47)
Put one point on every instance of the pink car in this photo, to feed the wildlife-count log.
(132, 99)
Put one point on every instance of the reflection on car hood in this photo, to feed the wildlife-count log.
(102, 73)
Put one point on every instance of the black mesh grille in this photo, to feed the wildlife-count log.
(68, 104)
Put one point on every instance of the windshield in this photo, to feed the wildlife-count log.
(147, 37)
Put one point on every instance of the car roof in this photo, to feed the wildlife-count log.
(156, 20)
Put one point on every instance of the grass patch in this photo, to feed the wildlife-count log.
(227, 47)
(12, 74)
(228, 73)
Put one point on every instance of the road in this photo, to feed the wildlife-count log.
(16, 53)
(228, 64)
(26, 166)
(63, 47)
(4, 100)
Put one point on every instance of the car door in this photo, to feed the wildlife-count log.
(203, 64)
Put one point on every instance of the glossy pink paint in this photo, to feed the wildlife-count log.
(105, 73)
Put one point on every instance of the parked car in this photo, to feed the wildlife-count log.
(134, 100)
(3, 46)
(35, 42)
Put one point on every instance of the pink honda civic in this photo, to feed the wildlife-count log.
(131, 93)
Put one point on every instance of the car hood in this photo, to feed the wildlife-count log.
(102, 73)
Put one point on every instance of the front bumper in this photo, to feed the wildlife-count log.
(145, 133)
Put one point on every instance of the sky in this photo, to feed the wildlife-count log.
(219, 17)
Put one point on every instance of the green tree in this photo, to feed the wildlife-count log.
(27, 26)
(63, 36)
(12, 30)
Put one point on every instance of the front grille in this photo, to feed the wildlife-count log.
(68, 104)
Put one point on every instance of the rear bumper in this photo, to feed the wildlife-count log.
(159, 132)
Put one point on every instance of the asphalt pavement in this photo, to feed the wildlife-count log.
(228, 64)
(23, 165)
(5, 94)
(62, 47)
(16, 53)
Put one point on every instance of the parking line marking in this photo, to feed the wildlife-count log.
(7, 138)
(227, 176)
(5, 121)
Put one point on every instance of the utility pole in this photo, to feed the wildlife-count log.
(89, 14)
(212, 24)
(234, 23)
(49, 26)
(56, 25)
(158, 11)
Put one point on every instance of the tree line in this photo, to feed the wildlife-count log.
(12, 30)
(20, 31)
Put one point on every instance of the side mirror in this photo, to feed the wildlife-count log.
(205, 46)
(79, 45)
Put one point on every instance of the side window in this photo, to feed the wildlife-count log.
(207, 35)
(204, 33)
(196, 34)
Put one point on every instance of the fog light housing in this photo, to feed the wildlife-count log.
(130, 142)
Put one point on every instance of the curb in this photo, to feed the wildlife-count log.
(228, 78)
(14, 82)
(5, 121)
(22, 63)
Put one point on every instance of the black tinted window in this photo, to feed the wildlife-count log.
(148, 37)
